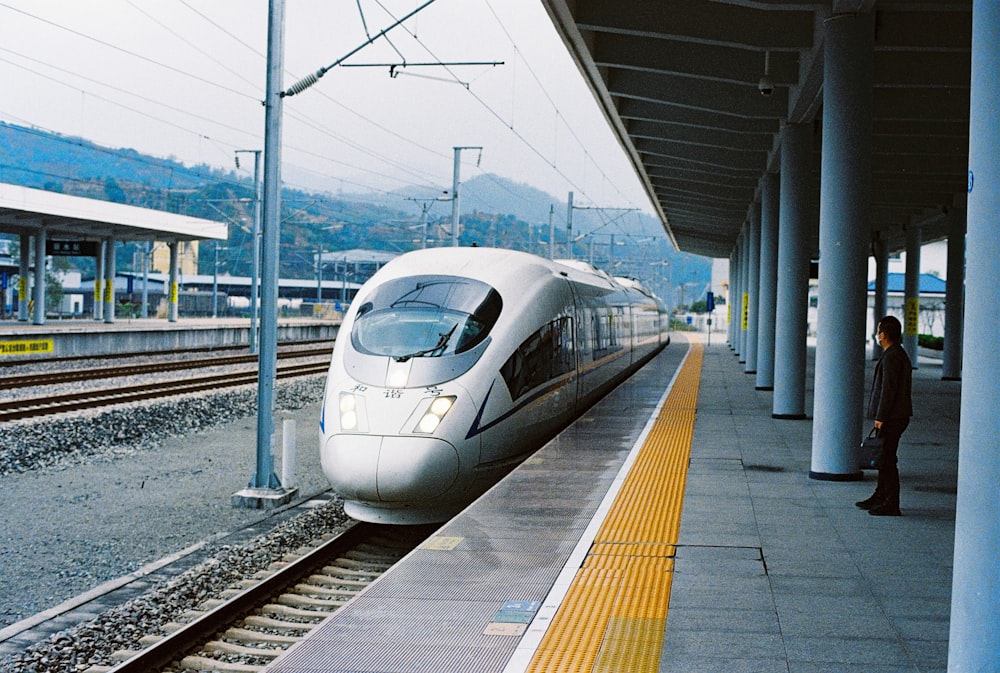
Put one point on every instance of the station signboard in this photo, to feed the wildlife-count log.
(71, 248)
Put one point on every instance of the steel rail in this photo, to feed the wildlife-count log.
(55, 404)
(175, 645)
(18, 361)
(69, 376)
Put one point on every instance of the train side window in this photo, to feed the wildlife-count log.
(542, 356)
(563, 360)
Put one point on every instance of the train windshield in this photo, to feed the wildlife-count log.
(425, 316)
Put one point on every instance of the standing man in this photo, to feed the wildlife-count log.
(891, 407)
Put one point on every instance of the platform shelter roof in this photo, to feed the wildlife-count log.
(26, 210)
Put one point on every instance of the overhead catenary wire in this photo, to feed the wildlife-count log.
(327, 125)
(311, 79)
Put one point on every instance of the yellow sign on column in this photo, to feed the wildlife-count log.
(912, 317)
(746, 311)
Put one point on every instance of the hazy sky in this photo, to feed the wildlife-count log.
(184, 78)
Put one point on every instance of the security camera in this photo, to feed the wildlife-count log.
(765, 86)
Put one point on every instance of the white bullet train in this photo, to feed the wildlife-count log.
(453, 365)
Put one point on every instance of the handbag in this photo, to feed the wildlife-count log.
(871, 450)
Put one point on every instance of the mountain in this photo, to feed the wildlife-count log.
(495, 211)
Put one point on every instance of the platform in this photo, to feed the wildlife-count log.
(77, 338)
(766, 571)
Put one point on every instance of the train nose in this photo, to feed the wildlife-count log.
(389, 469)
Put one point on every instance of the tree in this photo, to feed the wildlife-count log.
(53, 291)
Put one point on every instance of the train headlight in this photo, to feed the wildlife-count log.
(352, 413)
(433, 414)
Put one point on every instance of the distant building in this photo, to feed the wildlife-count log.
(187, 257)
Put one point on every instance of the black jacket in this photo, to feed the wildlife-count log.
(892, 386)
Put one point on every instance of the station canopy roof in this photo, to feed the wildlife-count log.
(678, 81)
(26, 210)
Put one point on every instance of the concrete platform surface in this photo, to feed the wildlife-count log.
(778, 572)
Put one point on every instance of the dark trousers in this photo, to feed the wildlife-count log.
(888, 471)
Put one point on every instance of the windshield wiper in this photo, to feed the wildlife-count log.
(443, 339)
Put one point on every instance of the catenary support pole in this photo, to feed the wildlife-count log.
(974, 642)
(794, 224)
(264, 477)
(767, 293)
(844, 234)
(456, 203)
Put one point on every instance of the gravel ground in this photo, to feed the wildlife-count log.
(94, 497)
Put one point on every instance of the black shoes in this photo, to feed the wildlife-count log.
(878, 506)
(869, 503)
(884, 509)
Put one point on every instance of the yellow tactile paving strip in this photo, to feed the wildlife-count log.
(613, 616)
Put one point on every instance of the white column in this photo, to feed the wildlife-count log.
(744, 290)
(767, 294)
(38, 293)
(109, 281)
(98, 311)
(911, 293)
(954, 302)
(23, 272)
(881, 299)
(794, 217)
(844, 230)
(974, 643)
(172, 281)
(753, 286)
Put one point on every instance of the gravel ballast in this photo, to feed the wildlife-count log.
(94, 497)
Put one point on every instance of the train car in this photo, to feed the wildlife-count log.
(453, 365)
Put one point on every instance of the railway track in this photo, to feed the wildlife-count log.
(246, 630)
(182, 352)
(94, 398)
(90, 374)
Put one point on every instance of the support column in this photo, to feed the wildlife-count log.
(954, 300)
(733, 299)
(172, 282)
(974, 642)
(911, 293)
(793, 272)
(767, 297)
(732, 305)
(844, 230)
(744, 290)
(881, 300)
(38, 293)
(109, 280)
(98, 310)
(23, 271)
(753, 286)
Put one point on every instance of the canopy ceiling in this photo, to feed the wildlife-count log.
(678, 82)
